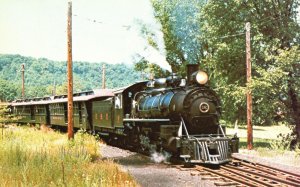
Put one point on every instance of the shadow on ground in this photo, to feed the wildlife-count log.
(135, 159)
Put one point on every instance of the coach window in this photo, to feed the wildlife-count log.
(118, 101)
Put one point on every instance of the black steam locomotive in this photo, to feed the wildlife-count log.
(173, 114)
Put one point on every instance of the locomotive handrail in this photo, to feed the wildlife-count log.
(221, 130)
(185, 129)
(207, 135)
(145, 120)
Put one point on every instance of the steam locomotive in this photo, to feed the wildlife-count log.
(177, 115)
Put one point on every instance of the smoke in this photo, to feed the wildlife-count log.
(186, 28)
(154, 51)
(157, 157)
(160, 157)
(157, 58)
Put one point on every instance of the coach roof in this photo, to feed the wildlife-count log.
(84, 96)
(33, 101)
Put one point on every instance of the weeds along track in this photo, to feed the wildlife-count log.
(241, 173)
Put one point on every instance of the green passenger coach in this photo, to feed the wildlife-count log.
(32, 111)
(82, 103)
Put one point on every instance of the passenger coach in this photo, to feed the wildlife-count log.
(32, 111)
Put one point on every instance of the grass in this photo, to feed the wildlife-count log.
(263, 132)
(30, 157)
(268, 144)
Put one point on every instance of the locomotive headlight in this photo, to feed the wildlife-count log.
(201, 77)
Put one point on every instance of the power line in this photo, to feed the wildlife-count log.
(233, 35)
(92, 20)
(226, 36)
(242, 33)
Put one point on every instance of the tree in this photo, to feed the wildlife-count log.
(5, 115)
(8, 90)
(275, 33)
(149, 69)
(180, 33)
(218, 42)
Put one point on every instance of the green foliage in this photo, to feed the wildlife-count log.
(180, 33)
(283, 144)
(213, 33)
(42, 74)
(149, 69)
(273, 83)
(34, 158)
(275, 34)
(8, 90)
(5, 116)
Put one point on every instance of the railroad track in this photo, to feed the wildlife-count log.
(241, 173)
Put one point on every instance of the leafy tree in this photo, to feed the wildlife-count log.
(149, 70)
(275, 34)
(218, 42)
(5, 115)
(180, 33)
(8, 90)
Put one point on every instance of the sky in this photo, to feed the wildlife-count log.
(38, 28)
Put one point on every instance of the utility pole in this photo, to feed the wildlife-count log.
(143, 75)
(70, 74)
(54, 88)
(103, 76)
(23, 81)
(249, 94)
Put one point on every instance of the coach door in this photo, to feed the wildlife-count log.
(118, 112)
(32, 115)
(102, 114)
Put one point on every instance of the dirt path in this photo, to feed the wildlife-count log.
(148, 173)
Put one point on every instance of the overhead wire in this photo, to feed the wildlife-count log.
(242, 33)
(92, 20)
(128, 27)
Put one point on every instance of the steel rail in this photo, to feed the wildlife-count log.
(280, 173)
(259, 176)
(232, 176)
(276, 172)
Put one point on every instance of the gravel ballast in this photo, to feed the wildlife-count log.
(147, 173)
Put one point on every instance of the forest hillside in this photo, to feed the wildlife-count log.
(42, 74)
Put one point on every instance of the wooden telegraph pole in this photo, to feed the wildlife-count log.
(103, 76)
(23, 81)
(70, 76)
(54, 89)
(249, 94)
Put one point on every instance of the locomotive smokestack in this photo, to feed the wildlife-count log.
(190, 69)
